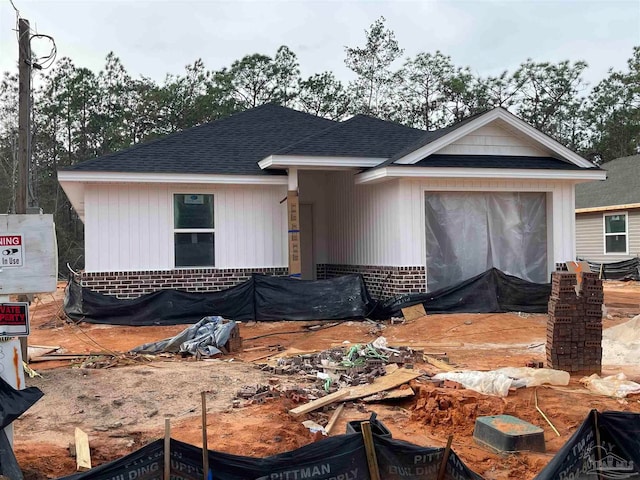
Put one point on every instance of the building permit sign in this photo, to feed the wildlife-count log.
(11, 251)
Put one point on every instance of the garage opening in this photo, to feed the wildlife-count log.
(467, 233)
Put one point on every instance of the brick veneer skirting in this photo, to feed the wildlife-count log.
(134, 284)
(381, 281)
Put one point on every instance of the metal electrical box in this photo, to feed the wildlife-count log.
(28, 254)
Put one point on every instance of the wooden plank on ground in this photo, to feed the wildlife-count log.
(380, 384)
(413, 312)
(35, 352)
(394, 378)
(394, 394)
(83, 455)
(319, 403)
(439, 363)
(334, 418)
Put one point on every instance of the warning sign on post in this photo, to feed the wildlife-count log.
(14, 319)
(11, 254)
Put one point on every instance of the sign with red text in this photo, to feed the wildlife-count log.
(14, 319)
(11, 251)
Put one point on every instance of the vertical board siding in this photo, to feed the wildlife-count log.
(560, 208)
(362, 222)
(492, 140)
(590, 236)
(129, 227)
(313, 190)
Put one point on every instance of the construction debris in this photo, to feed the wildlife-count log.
(209, 337)
(82, 452)
(499, 382)
(393, 379)
(617, 386)
(345, 366)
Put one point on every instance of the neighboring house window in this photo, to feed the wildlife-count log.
(615, 233)
(193, 234)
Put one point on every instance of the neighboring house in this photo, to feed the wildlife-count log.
(608, 213)
(411, 210)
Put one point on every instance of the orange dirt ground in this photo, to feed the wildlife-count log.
(122, 408)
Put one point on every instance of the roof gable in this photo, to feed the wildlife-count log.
(622, 186)
(232, 145)
(494, 139)
(500, 118)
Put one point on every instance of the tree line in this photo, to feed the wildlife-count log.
(79, 114)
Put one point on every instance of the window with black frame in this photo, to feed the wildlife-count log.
(193, 230)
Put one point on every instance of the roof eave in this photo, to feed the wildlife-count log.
(80, 176)
(390, 172)
(608, 208)
(313, 162)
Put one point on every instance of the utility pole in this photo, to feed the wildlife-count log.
(24, 113)
(24, 128)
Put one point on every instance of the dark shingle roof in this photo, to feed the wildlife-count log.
(233, 145)
(360, 136)
(427, 138)
(492, 161)
(621, 187)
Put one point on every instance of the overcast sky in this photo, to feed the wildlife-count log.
(155, 37)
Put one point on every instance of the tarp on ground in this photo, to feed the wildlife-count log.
(342, 457)
(14, 403)
(623, 270)
(607, 445)
(204, 338)
(8, 464)
(262, 298)
(490, 292)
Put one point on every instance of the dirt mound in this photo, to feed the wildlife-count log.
(453, 410)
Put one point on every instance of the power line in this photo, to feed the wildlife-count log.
(14, 7)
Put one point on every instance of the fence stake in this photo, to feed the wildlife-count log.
(370, 449)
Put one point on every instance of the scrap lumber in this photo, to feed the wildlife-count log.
(445, 458)
(334, 418)
(395, 394)
(438, 363)
(380, 384)
(413, 312)
(370, 449)
(83, 454)
(392, 379)
(319, 402)
(205, 448)
(166, 474)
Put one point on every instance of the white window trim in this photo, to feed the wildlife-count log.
(605, 234)
(174, 230)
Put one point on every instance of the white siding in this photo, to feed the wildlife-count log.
(492, 140)
(313, 190)
(590, 236)
(411, 219)
(362, 221)
(129, 226)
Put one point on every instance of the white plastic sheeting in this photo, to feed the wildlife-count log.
(468, 233)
